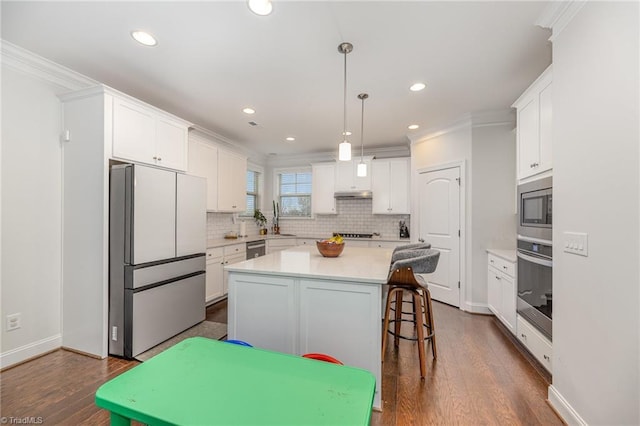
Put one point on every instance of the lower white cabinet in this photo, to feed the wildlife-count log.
(217, 258)
(306, 242)
(386, 244)
(539, 346)
(501, 290)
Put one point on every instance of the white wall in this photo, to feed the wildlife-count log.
(486, 143)
(493, 191)
(31, 215)
(596, 323)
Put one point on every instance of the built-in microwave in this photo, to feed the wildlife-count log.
(535, 209)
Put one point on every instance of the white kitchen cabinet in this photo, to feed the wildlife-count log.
(390, 186)
(147, 135)
(323, 188)
(534, 121)
(232, 254)
(263, 312)
(232, 182)
(214, 287)
(539, 346)
(501, 290)
(203, 162)
(347, 179)
(217, 277)
(278, 244)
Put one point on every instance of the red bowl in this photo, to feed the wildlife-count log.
(329, 249)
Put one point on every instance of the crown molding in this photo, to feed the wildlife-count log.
(504, 117)
(558, 14)
(36, 66)
(326, 156)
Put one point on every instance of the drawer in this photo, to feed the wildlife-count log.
(305, 242)
(502, 265)
(213, 253)
(384, 244)
(235, 249)
(539, 346)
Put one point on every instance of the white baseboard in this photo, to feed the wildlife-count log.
(29, 351)
(476, 308)
(562, 407)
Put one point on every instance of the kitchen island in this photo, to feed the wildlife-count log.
(298, 302)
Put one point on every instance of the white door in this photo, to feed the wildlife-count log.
(154, 215)
(191, 215)
(439, 220)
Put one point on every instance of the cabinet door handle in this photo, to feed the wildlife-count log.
(524, 336)
(491, 261)
(546, 357)
(421, 240)
(504, 267)
(498, 278)
(155, 158)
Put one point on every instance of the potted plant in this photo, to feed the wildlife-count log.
(261, 221)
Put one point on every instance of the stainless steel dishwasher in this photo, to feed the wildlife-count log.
(256, 249)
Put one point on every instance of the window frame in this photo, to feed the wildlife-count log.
(276, 188)
(259, 170)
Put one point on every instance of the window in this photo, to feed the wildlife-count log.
(294, 193)
(253, 185)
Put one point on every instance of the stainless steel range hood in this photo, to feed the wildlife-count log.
(353, 195)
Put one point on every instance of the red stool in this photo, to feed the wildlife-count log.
(322, 357)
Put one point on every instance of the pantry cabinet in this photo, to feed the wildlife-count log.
(534, 121)
(147, 135)
(390, 183)
(501, 290)
(322, 188)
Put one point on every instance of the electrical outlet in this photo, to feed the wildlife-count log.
(13, 322)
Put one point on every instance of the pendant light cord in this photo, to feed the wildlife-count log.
(362, 133)
(344, 129)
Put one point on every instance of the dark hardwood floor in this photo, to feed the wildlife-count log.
(479, 378)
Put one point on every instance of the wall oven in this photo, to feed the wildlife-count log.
(535, 207)
(535, 285)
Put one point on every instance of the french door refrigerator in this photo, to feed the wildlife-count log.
(157, 245)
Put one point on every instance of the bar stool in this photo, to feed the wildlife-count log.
(402, 278)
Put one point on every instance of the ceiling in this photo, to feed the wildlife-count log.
(215, 58)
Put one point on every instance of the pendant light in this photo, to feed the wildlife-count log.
(344, 149)
(362, 167)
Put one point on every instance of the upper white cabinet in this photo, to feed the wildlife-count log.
(232, 182)
(390, 186)
(534, 127)
(347, 178)
(225, 172)
(147, 135)
(323, 188)
(203, 162)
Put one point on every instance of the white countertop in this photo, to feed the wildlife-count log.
(508, 255)
(221, 242)
(355, 264)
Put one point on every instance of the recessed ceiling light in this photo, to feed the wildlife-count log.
(260, 7)
(413, 127)
(144, 37)
(249, 111)
(347, 133)
(291, 139)
(417, 87)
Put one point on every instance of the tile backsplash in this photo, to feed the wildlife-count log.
(353, 216)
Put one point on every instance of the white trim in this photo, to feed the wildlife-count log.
(563, 408)
(276, 187)
(36, 66)
(558, 14)
(461, 164)
(504, 117)
(31, 350)
(475, 308)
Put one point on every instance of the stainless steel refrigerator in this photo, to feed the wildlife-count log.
(157, 245)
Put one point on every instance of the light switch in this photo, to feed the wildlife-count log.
(576, 243)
